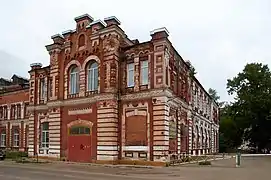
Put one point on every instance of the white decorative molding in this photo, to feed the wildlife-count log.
(80, 111)
(89, 58)
(70, 102)
(80, 121)
(135, 148)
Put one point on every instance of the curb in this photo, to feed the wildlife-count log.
(105, 165)
(194, 162)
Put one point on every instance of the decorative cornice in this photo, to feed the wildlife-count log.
(142, 95)
(96, 22)
(163, 29)
(71, 102)
(57, 36)
(83, 16)
(112, 18)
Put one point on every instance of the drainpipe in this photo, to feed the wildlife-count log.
(119, 109)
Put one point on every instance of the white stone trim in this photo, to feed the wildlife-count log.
(135, 148)
(79, 111)
(89, 58)
(107, 148)
(107, 158)
(159, 30)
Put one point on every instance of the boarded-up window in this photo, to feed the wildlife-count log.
(136, 131)
(184, 138)
(172, 129)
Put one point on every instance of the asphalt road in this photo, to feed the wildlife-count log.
(251, 168)
(12, 171)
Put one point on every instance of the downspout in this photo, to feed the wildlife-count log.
(119, 109)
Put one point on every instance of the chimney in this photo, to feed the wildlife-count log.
(159, 33)
(35, 66)
(112, 20)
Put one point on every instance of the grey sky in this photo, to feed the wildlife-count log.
(218, 36)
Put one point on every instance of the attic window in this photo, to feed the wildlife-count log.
(81, 40)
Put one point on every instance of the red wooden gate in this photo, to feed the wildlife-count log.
(79, 144)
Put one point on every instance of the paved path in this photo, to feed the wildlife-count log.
(251, 168)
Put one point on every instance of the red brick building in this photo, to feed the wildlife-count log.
(107, 98)
(14, 97)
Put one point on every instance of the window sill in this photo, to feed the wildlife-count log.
(129, 89)
(70, 96)
(89, 93)
(143, 87)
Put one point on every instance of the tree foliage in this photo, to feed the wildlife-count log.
(192, 71)
(213, 94)
(230, 133)
(251, 110)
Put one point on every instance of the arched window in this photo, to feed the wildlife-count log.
(74, 80)
(92, 77)
(3, 139)
(16, 138)
(81, 40)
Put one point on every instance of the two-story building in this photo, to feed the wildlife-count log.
(107, 98)
(14, 97)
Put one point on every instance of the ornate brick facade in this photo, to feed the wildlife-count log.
(112, 99)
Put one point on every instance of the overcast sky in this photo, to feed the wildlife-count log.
(218, 36)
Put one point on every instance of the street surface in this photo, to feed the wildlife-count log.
(251, 168)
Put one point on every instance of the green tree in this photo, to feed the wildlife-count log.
(213, 94)
(229, 131)
(252, 106)
(192, 72)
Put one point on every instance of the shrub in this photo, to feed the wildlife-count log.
(205, 163)
(15, 154)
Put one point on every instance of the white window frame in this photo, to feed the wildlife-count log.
(144, 68)
(74, 81)
(3, 139)
(16, 138)
(44, 135)
(91, 79)
(130, 70)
